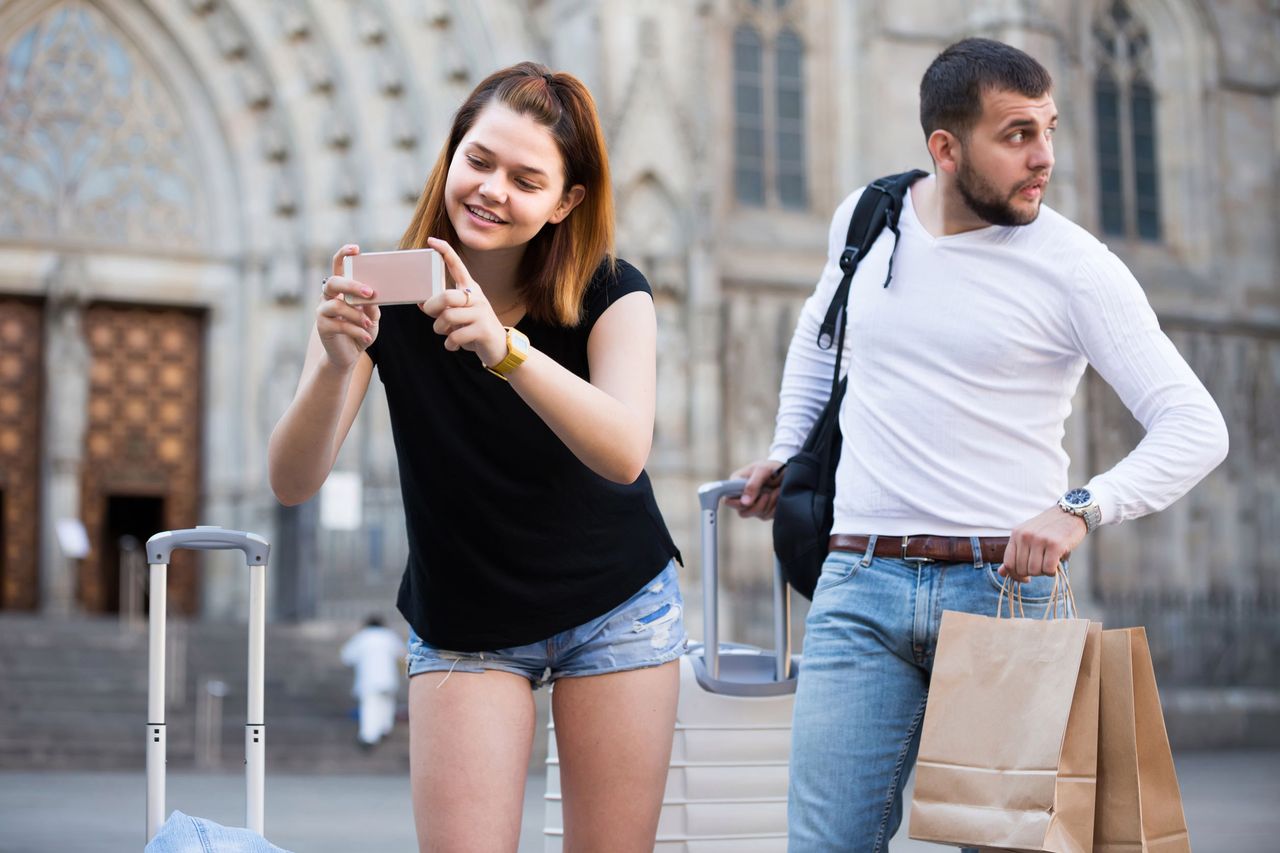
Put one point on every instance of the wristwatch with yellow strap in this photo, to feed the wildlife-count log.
(517, 352)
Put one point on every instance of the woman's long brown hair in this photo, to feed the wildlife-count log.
(559, 261)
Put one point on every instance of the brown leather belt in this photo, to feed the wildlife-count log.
(944, 549)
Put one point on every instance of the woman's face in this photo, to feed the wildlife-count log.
(506, 181)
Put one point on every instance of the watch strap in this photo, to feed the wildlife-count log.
(514, 357)
(1091, 513)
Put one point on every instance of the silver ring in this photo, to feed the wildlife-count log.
(324, 282)
(466, 292)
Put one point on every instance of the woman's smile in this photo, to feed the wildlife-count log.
(484, 215)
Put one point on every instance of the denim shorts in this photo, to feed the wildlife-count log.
(645, 630)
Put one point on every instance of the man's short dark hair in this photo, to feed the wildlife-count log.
(952, 87)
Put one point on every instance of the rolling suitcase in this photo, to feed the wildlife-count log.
(256, 550)
(727, 783)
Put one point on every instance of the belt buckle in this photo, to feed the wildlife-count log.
(919, 561)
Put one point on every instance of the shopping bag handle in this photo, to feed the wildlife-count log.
(1061, 589)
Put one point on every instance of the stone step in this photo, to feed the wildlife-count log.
(336, 756)
(73, 695)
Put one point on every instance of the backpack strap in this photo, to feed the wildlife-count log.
(879, 206)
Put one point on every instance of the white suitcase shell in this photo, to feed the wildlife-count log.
(727, 784)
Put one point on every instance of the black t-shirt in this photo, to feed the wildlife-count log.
(511, 538)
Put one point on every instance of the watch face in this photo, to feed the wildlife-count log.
(1078, 497)
(519, 343)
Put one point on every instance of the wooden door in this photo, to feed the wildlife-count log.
(142, 439)
(21, 411)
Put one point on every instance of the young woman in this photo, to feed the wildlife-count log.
(522, 406)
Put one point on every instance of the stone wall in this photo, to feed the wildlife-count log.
(290, 127)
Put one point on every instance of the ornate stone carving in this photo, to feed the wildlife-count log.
(294, 20)
(284, 272)
(228, 36)
(337, 128)
(318, 72)
(254, 87)
(283, 199)
(410, 175)
(370, 24)
(92, 147)
(390, 81)
(404, 129)
(346, 184)
(454, 62)
(275, 140)
(436, 13)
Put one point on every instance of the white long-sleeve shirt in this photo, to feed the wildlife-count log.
(961, 374)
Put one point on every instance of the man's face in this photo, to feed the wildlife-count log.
(1004, 163)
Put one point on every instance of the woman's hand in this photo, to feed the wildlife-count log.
(345, 330)
(463, 314)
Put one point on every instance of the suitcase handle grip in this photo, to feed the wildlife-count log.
(710, 494)
(745, 677)
(208, 538)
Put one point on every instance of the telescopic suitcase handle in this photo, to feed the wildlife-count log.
(208, 538)
(769, 674)
(256, 551)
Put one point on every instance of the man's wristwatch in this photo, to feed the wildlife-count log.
(1080, 502)
(517, 352)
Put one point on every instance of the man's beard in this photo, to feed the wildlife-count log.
(985, 200)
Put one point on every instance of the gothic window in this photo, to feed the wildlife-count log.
(1124, 102)
(768, 105)
(748, 110)
(790, 119)
(92, 146)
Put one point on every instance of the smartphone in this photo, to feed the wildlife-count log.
(397, 278)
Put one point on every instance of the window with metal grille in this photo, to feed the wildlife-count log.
(748, 111)
(768, 105)
(1124, 106)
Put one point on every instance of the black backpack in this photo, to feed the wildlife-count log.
(802, 519)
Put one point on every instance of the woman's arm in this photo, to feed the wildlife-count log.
(335, 376)
(607, 422)
(307, 439)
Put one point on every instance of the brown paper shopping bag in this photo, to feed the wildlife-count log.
(1008, 753)
(1139, 804)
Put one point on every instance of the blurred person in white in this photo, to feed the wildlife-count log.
(377, 653)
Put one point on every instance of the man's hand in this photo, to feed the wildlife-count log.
(1036, 546)
(760, 495)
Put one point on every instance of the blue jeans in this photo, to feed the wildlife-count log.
(185, 834)
(645, 630)
(868, 652)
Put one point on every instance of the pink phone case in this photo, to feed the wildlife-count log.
(397, 278)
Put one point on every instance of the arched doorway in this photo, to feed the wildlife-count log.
(107, 215)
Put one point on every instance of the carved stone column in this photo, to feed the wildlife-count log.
(66, 400)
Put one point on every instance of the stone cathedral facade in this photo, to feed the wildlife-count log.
(175, 174)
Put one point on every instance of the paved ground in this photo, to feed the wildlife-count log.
(1232, 803)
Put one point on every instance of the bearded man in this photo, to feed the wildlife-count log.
(952, 476)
